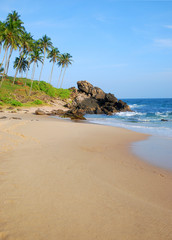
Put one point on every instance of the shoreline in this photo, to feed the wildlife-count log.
(67, 180)
(136, 148)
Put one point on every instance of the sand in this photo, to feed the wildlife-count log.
(65, 180)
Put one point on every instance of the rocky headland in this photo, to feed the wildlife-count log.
(88, 99)
(93, 100)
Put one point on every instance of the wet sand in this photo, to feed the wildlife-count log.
(65, 180)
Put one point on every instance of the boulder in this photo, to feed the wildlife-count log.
(85, 86)
(74, 114)
(110, 98)
(39, 112)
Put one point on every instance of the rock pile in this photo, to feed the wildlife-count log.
(93, 100)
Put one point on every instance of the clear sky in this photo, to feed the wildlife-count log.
(124, 47)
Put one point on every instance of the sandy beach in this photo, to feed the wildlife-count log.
(66, 180)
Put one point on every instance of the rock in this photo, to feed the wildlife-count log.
(110, 98)
(4, 117)
(39, 112)
(85, 86)
(93, 100)
(17, 118)
(58, 112)
(98, 93)
(74, 114)
(164, 120)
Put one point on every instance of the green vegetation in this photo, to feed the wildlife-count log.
(13, 36)
(18, 94)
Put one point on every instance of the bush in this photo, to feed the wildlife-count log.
(47, 88)
(5, 99)
(63, 93)
(1, 103)
(38, 102)
(15, 103)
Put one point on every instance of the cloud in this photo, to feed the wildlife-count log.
(163, 42)
(168, 26)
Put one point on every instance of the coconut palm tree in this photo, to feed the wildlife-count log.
(35, 58)
(1, 34)
(2, 39)
(26, 44)
(66, 60)
(11, 35)
(54, 57)
(22, 66)
(45, 44)
(14, 31)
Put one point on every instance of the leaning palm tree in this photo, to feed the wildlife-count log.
(54, 57)
(2, 39)
(46, 45)
(25, 45)
(1, 34)
(22, 67)
(35, 58)
(13, 32)
(67, 60)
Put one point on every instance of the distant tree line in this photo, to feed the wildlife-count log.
(13, 36)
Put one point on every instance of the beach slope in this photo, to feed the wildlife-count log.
(65, 180)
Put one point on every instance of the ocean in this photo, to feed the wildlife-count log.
(150, 116)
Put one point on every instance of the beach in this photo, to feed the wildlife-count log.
(69, 180)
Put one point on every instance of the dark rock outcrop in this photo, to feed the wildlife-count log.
(94, 100)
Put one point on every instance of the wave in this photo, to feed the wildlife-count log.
(136, 106)
(129, 114)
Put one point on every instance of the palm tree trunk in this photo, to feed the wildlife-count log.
(4, 56)
(9, 60)
(51, 72)
(28, 69)
(18, 67)
(63, 76)
(59, 77)
(42, 67)
(27, 73)
(33, 73)
(2, 79)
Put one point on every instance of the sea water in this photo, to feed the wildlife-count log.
(150, 116)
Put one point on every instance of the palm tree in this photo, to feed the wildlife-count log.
(21, 64)
(45, 44)
(66, 60)
(35, 58)
(26, 44)
(1, 34)
(2, 39)
(54, 57)
(11, 35)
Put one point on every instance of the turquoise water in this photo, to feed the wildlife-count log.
(147, 118)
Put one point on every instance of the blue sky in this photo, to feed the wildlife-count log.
(124, 47)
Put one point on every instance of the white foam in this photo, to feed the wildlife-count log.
(136, 106)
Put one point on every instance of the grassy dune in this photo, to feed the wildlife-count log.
(18, 94)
